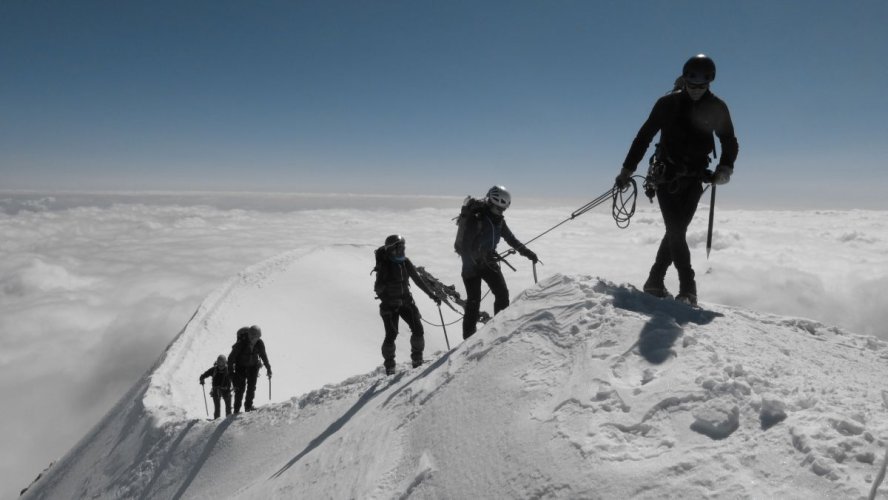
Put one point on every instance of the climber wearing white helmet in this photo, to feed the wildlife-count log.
(485, 225)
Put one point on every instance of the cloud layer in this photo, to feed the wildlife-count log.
(92, 288)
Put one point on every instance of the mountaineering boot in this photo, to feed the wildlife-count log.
(417, 363)
(687, 298)
(687, 286)
(656, 287)
(389, 370)
(687, 290)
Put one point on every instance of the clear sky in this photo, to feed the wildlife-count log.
(439, 98)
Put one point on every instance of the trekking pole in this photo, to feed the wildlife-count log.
(711, 218)
(269, 388)
(440, 315)
(535, 273)
(203, 391)
(879, 478)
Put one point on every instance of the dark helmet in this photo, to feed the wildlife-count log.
(699, 69)
(242, 333)
(394, 240)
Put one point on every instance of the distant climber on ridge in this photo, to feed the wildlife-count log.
(244, 363)
(221, 385)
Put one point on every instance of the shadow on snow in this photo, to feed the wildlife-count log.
(365, 398)
(666, 324)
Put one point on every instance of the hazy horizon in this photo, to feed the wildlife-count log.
(727, 198)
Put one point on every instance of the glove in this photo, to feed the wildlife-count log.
(722, 175)
(622, 180)
(530, 255)
(435, 299)
(268, 372)
(201, 382)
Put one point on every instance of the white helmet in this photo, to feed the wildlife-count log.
(255, 333)
(499, 197)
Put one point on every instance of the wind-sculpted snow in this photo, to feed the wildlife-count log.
(582, 388)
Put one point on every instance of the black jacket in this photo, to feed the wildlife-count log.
(482, 248)
(221, 377)
(392, 284)
(686, 127)
(243, 356)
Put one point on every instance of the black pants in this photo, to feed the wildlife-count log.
(390, 313)
(493, 276)
(224, 394)
(245, 380)
(678, 203)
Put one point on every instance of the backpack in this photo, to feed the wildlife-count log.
(468, 224)
(379, 253)
(380, 269)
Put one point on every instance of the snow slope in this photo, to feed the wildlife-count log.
(580, 389)
(312, 316)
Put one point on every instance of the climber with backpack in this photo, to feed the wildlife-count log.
(392, 286)
(246, 358)
(480, 226)
(686, 119)
(221, 385)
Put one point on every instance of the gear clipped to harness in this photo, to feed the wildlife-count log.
(656, 174)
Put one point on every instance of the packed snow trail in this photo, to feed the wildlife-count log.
(581, 388)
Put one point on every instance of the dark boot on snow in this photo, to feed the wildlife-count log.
(687, 290)
(656, 287)
(687, 298)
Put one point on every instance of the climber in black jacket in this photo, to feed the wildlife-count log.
(686, 119)
(392, 287)
(221, 385)
(244, 363)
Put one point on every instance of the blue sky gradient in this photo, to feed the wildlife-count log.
(437, 98)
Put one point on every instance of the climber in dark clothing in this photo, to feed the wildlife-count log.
(221, 385)
(686, 119)
(393, 274)
(244, 363)
(479, 257)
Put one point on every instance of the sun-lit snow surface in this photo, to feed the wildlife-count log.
(580, 389)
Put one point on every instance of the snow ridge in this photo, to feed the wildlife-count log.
(582, 388)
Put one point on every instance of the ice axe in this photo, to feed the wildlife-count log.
(711, 219)
(535, 270)
(440, 315)
(203, 391)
